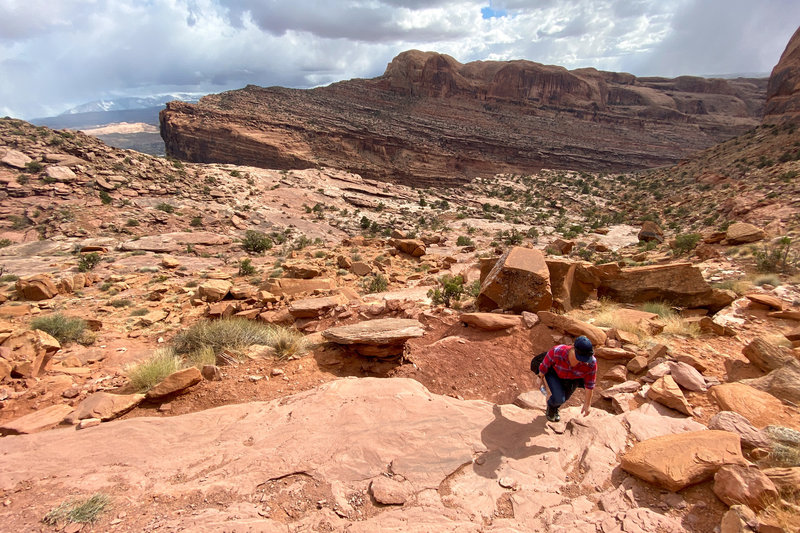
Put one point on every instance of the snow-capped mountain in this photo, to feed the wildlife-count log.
(131, 102)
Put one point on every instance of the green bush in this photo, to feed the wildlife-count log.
(376, 283)
(237, 334)
(256, 242)
(464, 241)
(33, 167)
(686, 242)
(65, 329)
(147, 374)
(197, 222)
(105, 197)
(661, 309)
(165, 207)
(452, 288)
(776, 257)
(87, 262)
(246, 268)
(80, 511)
(124, 302)
(365, 222)
(5, 242)
(139, 312)
(132, 223)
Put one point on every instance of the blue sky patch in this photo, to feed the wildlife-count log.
(490, 13)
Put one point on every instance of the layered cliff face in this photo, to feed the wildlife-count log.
(783, 92)
(430, 120)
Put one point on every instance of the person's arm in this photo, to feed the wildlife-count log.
(545, 366)
(587, 402)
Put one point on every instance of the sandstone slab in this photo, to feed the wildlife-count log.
(666, 392)
(574, 327)
(652, 420)
(289, 287)
(742, 233)
(571, 282)
(30, 351)
(384, 333)
(518, 281)
(490, 321)
(766, 355)
(36, 421)
(36, 288)
(176, 382)
(736, 484)
(751, 436)
(174, 242)
(314, 307)
(677, 461)
(105, 406)
(783, 382)
(758, 407)
(214, 290)
(767, 300)
(15, 158)
(687, 376)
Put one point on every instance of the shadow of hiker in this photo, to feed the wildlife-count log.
(507, 438)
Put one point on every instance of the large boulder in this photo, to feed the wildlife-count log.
(314, 307)
(737, 484)
(677, 461)
(652, 420)
(571, 282)
(651, 232)
(759, 408)
(783, 90)
(30, 352)
(289, 287)
(412, 247)
(742, 232)
(766, 355)
(36, 421)
(786, 479)
(105, 406)
(38, 287)
(519, 281)
(214, 290)
(574, 327)
(687, 376)
(680, 284)
(783, 382)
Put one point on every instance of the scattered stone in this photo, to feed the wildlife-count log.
(176, 382)
(758, 407)
(30, 352)
(626, 387)
(88, 423)
(388, 491)
(611, 354)
(289, 287)
(153, 316)
(105, 406)
(657, 372)
(519, 281)
(785, 479)
(532, 399)
(666, 392)
(571, 282)
(638, 364)
(507, 482)
(170, 262)
(751, 436)
(653, 420)
(742, 233)
(656, 351)
(302, 270)
(211, 373)
(574, 327)
(314, 307)
(687, 377)
(530, 319)
(360, 268)
(412, 247)
(735, 484)
(490, 321)
(766, 355)
(692, 361)
(617, 373)
(60, 174)
(15, 158)
(36, 421)
(388, 333)
(739, 519)
(683, 459)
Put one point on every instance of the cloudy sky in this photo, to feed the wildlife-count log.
(55, 54)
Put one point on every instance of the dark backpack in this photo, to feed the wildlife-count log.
(536, 361)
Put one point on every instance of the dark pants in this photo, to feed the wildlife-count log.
(560, 389)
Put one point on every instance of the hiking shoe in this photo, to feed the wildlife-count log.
(552, 414)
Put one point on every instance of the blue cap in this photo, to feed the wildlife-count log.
(583, 349)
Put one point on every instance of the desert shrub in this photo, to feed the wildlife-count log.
(123, 302)
(65, 329)
(5, 242)
(139, 312)
(165, 207)
(197, 222)
(87, 262)
(287, 343)
(776, 257)
(451, 290)
(105, 197)
(132, 223)
(147, 374)
(474, 288)
(5, 278)
(81, 511)
(660, 308)
(246, 268)
(18, 222)
(767, 279)
(256, 242)
(235, 173)
(200, 358)
(739, 286)
(376, 283)
(33, 167)
(365, 222)
(686, 242)
(464, 241)
(219, 335)
(608, 316)
(675, 324)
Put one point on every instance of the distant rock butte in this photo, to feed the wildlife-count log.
(430, 120)
(783, 91)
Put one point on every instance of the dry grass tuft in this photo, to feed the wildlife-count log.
(147, 374)
(79, 510)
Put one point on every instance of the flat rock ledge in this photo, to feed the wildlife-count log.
(384, 337)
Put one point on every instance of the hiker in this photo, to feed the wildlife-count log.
(565, 368)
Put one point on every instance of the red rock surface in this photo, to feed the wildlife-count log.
(783, 91)
(430, 119)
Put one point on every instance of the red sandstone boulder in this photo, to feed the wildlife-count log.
(38, 287)
(490, 321)
(519, 281)
(735, 484)
(651, 232)
(571, 282)
(574, 327)
(742, 232)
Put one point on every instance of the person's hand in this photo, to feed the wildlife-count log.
(585, 410)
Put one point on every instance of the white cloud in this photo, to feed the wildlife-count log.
(57, 54)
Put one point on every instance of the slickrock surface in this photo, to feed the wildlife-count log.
(430, 120)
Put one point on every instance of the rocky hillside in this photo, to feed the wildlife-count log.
(783, 92)
(430, 120)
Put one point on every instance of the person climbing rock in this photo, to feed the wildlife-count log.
(565, 368)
